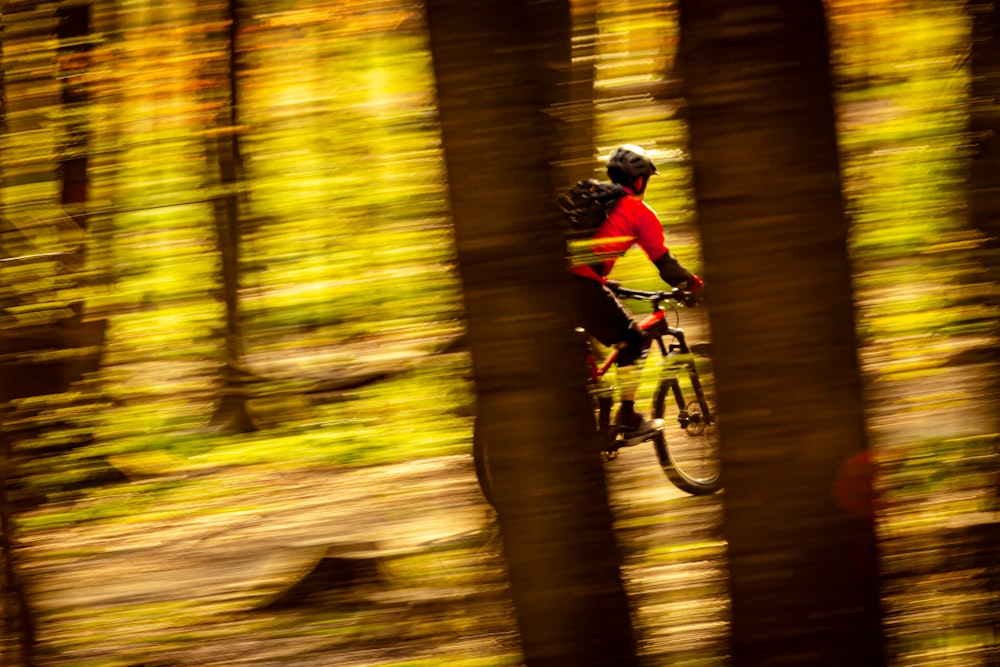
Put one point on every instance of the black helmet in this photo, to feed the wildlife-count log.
(632, 162)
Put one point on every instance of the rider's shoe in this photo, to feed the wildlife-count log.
(635, 428)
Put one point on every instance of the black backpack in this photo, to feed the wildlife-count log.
(586, 205)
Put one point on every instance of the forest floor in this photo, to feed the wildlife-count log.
(373, 566)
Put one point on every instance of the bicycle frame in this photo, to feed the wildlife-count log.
(647, 323)
(697, 473)
(655, 327)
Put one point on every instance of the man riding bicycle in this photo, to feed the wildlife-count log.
(597, 309)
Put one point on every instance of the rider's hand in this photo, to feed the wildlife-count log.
(694, 291)
(691, 299)
(691, 284)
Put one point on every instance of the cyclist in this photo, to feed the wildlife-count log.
(598, 310)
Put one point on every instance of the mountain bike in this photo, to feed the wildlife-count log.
(690, 459)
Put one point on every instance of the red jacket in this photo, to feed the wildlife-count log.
(630, 222)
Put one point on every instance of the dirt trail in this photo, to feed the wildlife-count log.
(291, 519)
(232, 555)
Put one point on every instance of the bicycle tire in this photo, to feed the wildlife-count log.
(481, 455)
(691, 461)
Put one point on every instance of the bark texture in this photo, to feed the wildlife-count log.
(804, 583)
(499, 68)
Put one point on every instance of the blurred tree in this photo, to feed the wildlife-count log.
(578, 118)
(8, 576)
(984, 216)
(45, 346)
(984, 194)
(499, 66)
(803, 577)
(222, 145)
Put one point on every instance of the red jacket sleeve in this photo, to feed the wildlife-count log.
(650, 237)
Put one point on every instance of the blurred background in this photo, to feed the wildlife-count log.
(231, 334)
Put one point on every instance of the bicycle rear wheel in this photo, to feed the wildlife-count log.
(690, 457)
(481, 449)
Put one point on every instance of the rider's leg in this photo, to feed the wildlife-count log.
(631, 354)
(628, 387)
(628, 382)
(607, 319)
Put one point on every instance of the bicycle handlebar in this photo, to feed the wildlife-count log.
(676, 294)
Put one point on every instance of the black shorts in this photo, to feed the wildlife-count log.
(601, 313)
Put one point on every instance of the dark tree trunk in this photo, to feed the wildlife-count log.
(31, 94)
(984, 216)
(984, 122)
(804, 579)
(498, 67)
(222, 148)
(33, 89)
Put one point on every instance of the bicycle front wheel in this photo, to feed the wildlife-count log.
(690, 456)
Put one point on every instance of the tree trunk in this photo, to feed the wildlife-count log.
(223, 149)
(498, 66)
(8, 643)
(984, 216)
(30, 94)
(803, 574)
(984, 122)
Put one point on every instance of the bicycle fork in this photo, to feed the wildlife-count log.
(703, 416)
